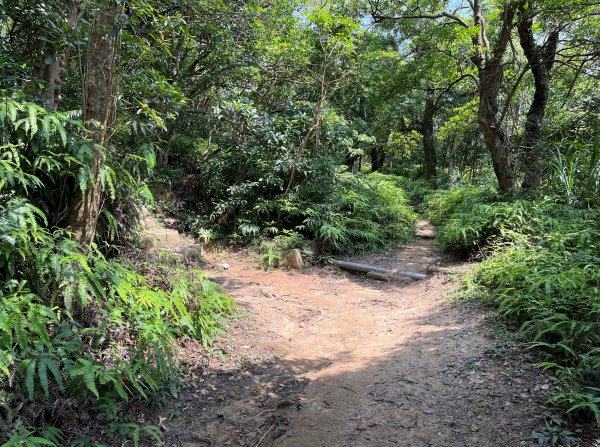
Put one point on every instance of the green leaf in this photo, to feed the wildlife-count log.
(29, 378)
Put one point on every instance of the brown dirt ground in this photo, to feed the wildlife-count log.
(320, 357)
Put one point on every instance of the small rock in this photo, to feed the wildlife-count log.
(407, 423)
(191, 253)
(280, 431)
(173, 258)
(293, 259)
(225, 266)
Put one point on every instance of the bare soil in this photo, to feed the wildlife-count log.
(321, 357)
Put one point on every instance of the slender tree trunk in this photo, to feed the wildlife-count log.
(428, 140)
(541, 60)
(52, 72)
(452, 156)
(98, 110)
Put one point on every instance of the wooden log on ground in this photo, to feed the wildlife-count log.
(365, 268)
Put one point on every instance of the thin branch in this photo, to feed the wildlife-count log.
(380, 17)
(512, 94)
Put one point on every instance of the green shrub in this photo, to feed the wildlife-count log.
(76, 326)
(358, 212)
(269, 255)
(546, 278)
(487, 224)
(440, 205)
(363, 212)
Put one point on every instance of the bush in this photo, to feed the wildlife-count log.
(81, 332)
(354, 212)
(359, 213)
(485, 225)
(440, 205)
(544, 275)
(416, 189)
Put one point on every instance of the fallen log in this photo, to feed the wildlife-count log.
(365, 268)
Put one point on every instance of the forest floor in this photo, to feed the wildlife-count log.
(320, 357)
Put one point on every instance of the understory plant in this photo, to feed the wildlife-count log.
(79, 331)
(357, 212)
(82, 336)
(541, 270)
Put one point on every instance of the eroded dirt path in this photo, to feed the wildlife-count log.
(327, 358)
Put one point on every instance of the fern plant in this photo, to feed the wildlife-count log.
(268, 257)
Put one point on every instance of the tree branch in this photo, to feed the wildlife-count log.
(380, 17)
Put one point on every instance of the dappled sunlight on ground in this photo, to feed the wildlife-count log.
(334, 359)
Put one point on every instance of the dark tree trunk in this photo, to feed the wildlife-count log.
(350, 161)
(541, 60)
(377, 157)
(428, 140)
(489, 65)
(98, 109)
(494, 136)
(52, 73)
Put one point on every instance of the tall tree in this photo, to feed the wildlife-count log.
(99, 105)
(490, 29)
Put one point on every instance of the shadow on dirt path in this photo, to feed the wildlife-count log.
(325, 358)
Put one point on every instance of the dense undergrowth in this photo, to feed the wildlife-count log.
(353, 212)
(82, 335)
(541, 270)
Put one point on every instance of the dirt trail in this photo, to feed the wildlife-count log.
(327, 358)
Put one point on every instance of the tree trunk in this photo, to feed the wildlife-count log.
(98, 112)
(494, 136)
(491, 73)
(541, 60)
(452, 156)
(428, 141)
(52, 73)
(377, 157)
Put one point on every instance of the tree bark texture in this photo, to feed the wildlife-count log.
(52, 73)
(452, 156)
(491, 73)
(377, 157)
(98, 111)
(541, 59)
